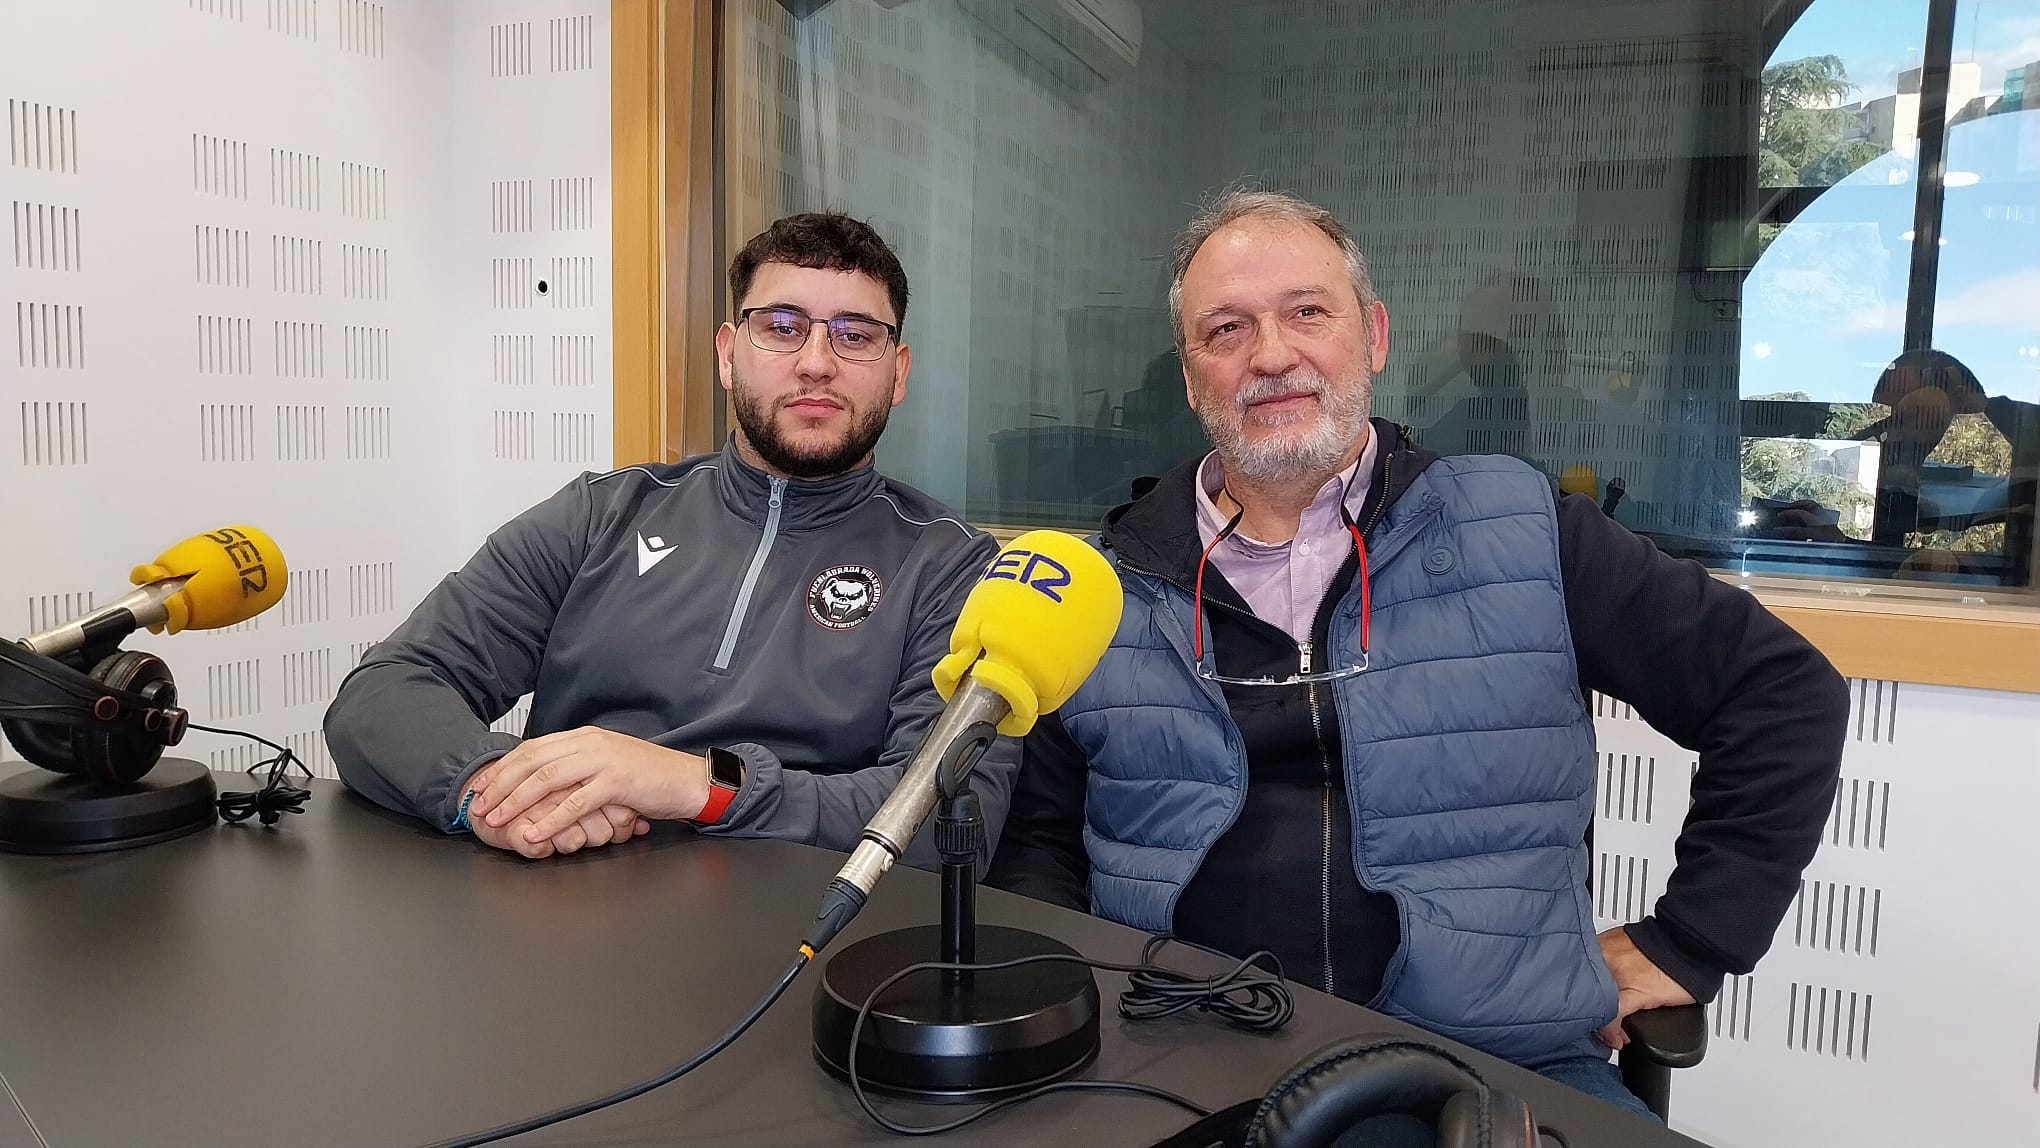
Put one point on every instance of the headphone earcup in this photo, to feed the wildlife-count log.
(1330, 1091)
(117, 758)
(48, 746)
(1502, 1122)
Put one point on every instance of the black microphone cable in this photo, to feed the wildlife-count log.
(278, 795)
(518, 1128)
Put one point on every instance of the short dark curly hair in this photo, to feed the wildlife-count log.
(828, 240)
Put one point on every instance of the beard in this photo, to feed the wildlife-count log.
(756, 416)
(1298, 446)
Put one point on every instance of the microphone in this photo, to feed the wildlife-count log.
(1031, 631)
(205, 582)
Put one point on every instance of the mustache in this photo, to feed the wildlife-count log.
(1268, 386)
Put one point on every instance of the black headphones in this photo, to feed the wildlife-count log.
(108, 725)
(1339, 1085)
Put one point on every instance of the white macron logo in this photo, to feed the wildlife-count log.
(650, 552)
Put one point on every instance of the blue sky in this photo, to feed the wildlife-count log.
(1877, 39)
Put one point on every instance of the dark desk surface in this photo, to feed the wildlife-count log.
(352, 979)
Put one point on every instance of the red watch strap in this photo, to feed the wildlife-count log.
(718, 803)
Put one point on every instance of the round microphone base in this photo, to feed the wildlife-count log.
(941, 1036)
(45, 812)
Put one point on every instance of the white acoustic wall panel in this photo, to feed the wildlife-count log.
(240, 284)
(1898, 1004)
(531, 232)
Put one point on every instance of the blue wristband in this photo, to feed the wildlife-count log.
(460, 820)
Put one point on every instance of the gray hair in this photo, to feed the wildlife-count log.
(1237, 203)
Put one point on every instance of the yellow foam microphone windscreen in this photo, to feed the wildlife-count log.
(236, 573)
(1035, 625)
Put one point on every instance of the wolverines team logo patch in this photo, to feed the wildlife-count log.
(843, 596)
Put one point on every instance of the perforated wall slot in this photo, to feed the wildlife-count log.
(53, 434)
(571, 43)
(1861, 816)
(1628, 787)
(1621, 886)
(1828, 1021)
(297, 266)
(573, 360)
(47, 611)
(226, 432)
(573, 203)
(361, 28)
(357, 651)
(233, 690)
(513, 284)
(308, 678)
(371, 589)
(226, 345)
(510, 206)
(573, 438)
(516, 435)
(298, 18)
(573, 282)
(293, 179)
(220, 255)
(365, 271)
(1607, 707)
(366, 352)
(300, 433)
(510, 365)
(510, 49)
(42, 137)
(237, 758)
(49, 336)
(225, 9)
(516, 720)
(46, 237)
(1733, 1008)
(299, 349)
(309, 598)
(368, 432)
(219, 166)
(364, 191)
(1876, 711)
(1835, 917)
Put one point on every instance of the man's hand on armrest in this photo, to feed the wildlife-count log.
(1639, 983)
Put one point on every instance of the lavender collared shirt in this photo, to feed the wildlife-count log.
(1285, 582)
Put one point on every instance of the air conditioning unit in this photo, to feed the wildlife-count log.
(1101, 35)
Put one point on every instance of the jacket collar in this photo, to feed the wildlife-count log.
(805, 503)
(1157, 533)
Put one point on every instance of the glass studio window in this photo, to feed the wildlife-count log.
(1668, 252)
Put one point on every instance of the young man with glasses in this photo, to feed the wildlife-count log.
(741, 640)
(1344, 717)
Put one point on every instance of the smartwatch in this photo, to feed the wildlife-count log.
(725, 778)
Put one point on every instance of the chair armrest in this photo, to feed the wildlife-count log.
(1674, 1036)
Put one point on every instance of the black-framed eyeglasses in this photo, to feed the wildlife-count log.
(1207, 668)
(784, 330)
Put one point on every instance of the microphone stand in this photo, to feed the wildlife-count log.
(957, 1035)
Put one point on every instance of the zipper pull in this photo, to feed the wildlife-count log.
(778, 491)
(1303, 657)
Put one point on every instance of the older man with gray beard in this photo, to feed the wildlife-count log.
(1344, 716)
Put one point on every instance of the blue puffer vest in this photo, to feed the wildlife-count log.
(1469, 757)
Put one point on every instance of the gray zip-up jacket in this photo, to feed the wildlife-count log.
(690, 604)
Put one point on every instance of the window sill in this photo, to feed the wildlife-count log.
(1979, 647)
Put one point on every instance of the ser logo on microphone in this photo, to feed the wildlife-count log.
(246, 557)
(1028, 568)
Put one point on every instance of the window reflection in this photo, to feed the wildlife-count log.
(1663, 252)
